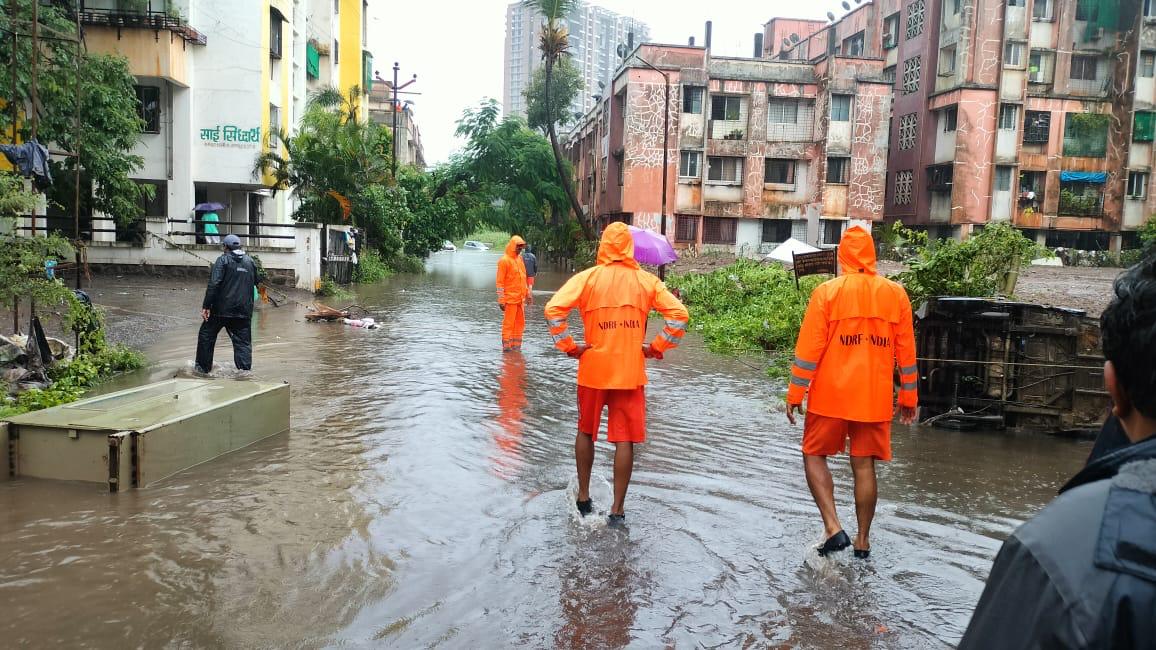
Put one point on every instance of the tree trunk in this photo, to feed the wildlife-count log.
(567, 184)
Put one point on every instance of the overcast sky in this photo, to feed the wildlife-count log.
(455, 48)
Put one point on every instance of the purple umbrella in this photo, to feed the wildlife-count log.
(651, 247)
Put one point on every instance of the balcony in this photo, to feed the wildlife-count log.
(139, 14)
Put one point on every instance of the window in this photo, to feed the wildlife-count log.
(939, 178)
(1003, 176)
(840, 108)
(725, 107)
(782, 111)
(686, 229)
(148, 108)
(949, 118)
(776, 231)
(891, 31)
(1008, 114)
(1143, 123)
(915, 19)
(1081, 199)
(1040, 65)
(1042, 10)
(1086, 10)
(688, 164)
(832, 230)
(908, 130)
(853, 45)
(947, 61)
(1015, 3)
(889, 74)
(1084, 67)
(275, 33)
(336, 6)
(780, 171)
(1147, 61)
(1149, 9)
(1137, 185)
(158, 205)
(718, 230)
(692, 99)
(1086, 134)
(911, 69)
(1037, 126)
(336, 52)
(274, 121)
(727, 170)
(837, 169)
(904, 180)
(957, 7)
(1013, 55)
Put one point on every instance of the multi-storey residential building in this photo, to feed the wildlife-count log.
(1034, 112)
(760, 150)
(595, 35)
(381, 110)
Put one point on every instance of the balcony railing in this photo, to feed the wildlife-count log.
(143, 19)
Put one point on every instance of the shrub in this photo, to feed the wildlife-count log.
(370, 268)
(407, 264)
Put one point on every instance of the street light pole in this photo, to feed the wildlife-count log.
(665, 151)
(393, 109)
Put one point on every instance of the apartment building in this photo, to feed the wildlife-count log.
(595, 36)
(381, 110)
(760, 150)
(1033, 112)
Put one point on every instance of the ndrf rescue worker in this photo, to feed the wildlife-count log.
(856, 328)
(512, 293)
(228, 304)
(614, 297)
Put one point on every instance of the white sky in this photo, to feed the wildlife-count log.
(455, 48)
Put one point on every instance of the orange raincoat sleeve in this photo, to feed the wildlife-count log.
(810, 347)
(559, 307)
(905, 356)
(676, 316)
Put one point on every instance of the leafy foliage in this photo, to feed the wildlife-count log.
(109, 125)
(370, 268)
(1148, 233)
(980, 266)
(565, 84)
(14, 200)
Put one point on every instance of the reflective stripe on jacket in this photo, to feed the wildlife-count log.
(615, 297)
(856, 328)
(511, 280)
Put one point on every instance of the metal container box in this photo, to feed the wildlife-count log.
(139, 436)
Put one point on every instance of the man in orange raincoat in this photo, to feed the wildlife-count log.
(856, 328)
(512, 294)
(614, 297)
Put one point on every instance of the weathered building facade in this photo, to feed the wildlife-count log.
(759, 150)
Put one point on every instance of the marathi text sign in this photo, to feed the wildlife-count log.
(226, 135)
(814, 263)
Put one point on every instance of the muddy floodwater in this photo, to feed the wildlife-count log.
(423, 496)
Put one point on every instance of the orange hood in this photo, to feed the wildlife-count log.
(857, 252)
(512, 247)
(617, 245)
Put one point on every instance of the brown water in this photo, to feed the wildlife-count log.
(422, 498)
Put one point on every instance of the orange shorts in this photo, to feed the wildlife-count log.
(627, 419)
(825, 436)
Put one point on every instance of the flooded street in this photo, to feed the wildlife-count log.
(422, 498)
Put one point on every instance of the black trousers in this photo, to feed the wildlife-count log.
(240, 333)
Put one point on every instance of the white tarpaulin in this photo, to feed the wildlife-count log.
(785, 250)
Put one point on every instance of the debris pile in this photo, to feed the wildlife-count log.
(24, 360)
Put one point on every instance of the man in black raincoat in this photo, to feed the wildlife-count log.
(1082, 573)
(228, 304)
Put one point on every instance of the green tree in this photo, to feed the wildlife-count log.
(110, 127)
(566, 84)
(554, 43)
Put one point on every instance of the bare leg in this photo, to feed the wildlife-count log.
(623, 466)
(584, 458)
(866, 496)
(823, 490)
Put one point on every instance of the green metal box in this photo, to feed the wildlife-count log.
(139, 436)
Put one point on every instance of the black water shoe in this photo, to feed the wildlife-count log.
(862, 554)
(585, 507)
(616, 521)
(837, 542)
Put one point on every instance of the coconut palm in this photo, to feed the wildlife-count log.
(554, 42)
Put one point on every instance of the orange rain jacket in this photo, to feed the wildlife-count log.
(615, 297)
(856, 328)
(511, 279)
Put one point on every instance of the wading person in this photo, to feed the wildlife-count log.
(1082, 573)
(228, 304)
(531, 263)
(512, 292)
(856, 328)
(614, 298)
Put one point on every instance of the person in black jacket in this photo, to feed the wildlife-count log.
(228, 304)
(1082, 573)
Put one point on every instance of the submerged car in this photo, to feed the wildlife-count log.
(448, 246)
(476, 245)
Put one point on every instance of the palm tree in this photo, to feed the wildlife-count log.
(554, 42)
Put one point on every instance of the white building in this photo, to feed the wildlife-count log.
(595, 34)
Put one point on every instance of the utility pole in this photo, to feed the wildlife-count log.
(393, 109)
(665, 151)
